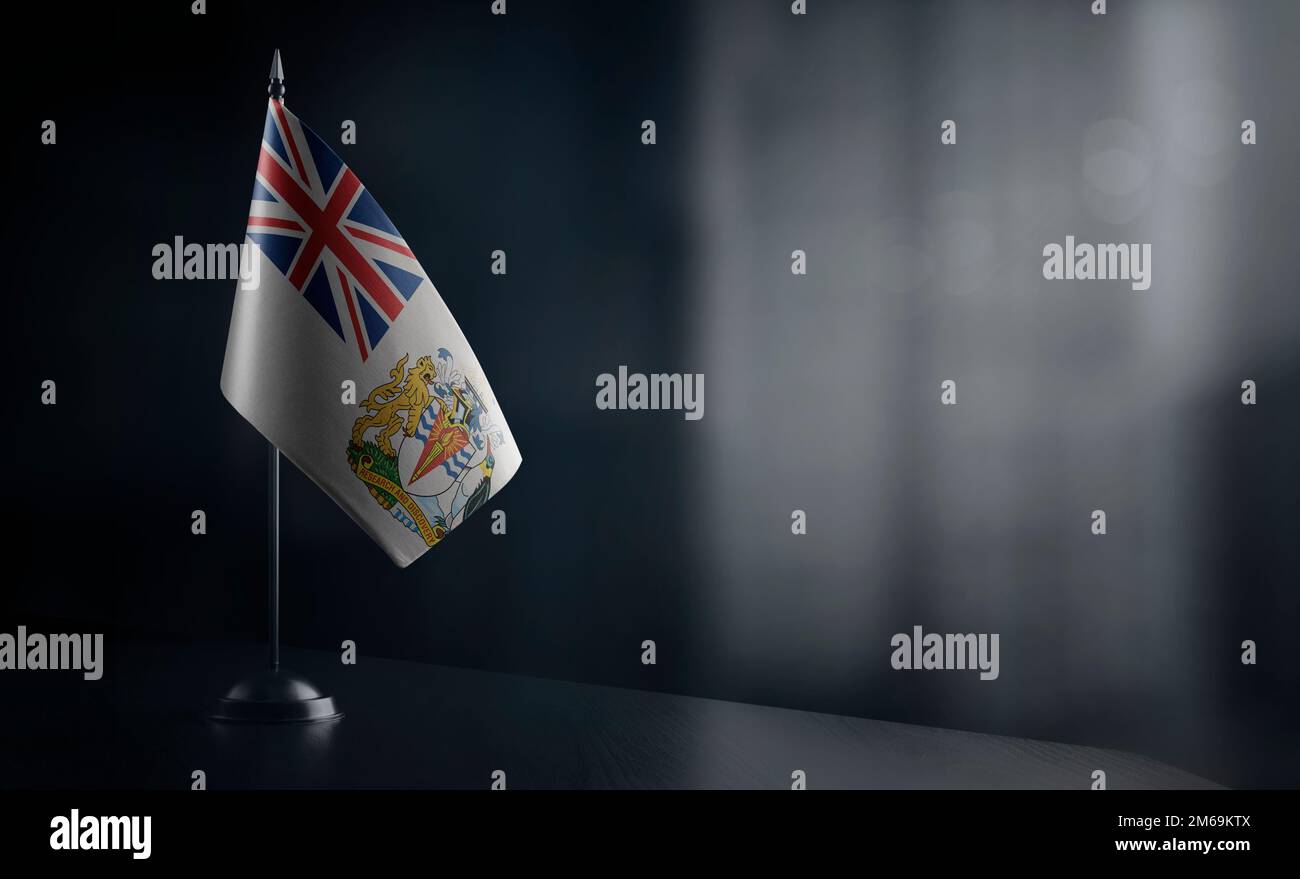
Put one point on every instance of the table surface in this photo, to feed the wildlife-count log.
(412, 725)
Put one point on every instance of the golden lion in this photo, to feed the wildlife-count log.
(386, 401)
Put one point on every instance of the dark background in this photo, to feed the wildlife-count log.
(774, 132)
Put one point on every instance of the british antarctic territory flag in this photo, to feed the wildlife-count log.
(343, 299)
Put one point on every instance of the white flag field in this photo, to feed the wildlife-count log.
(421, 442)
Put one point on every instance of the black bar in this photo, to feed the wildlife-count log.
(974, 828)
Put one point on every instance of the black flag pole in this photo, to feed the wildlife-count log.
(274, 695)
(273, 549)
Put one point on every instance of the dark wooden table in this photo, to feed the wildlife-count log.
(410, 725)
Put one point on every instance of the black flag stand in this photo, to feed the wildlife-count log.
(274, 695)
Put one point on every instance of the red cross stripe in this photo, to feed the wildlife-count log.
(324, 230)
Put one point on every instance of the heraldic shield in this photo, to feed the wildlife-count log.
(424, 445)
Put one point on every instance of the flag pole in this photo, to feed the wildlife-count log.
(273, 550)
(274, 695)
(276, 91)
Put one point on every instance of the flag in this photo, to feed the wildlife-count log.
(343, 304)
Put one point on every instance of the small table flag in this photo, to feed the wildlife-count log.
(342, 298)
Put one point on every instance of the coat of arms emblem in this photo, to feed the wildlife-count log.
(423, 446)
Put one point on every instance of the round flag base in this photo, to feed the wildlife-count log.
(275, 696)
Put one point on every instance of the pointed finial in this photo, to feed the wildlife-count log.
(276, 88)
